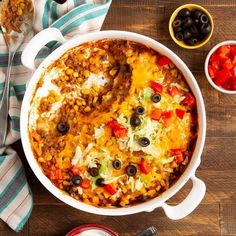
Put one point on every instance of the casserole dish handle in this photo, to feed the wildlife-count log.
(189, 203)
(37, 42)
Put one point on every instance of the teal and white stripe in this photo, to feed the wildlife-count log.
(72, 18)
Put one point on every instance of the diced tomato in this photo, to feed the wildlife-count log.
(167, 114)
(233, 86)
(176, 151)
(144, 167)
(234, 60)
(173, 91)
(120, 133)
(221, 77)
(179, 158)
(85, 184)
(189, 100)
(167, 117)
(163, 61)
(227, 85)
(117, 129)
(77, 170)
(178, 155)
(225, 49)
(216, 65)
(233, 71)
(223, 57)
(212, 71)
(156, 114)
(110, 189)
(223, 52)
(56, 174)
(180, 113)
(158, 88)
(113, 124)
(233, 50)
(228, 64)
(214, 57)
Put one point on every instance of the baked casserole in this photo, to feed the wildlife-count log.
(113, 123)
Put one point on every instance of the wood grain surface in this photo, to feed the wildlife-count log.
(216, 215)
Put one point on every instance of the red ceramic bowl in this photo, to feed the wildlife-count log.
(92, 229)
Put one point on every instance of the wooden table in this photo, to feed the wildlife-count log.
(217, 213)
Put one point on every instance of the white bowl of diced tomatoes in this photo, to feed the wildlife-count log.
(220, 67)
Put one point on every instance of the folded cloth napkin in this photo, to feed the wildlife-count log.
(72, 18)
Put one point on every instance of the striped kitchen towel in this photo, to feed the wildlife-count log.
(72, 18)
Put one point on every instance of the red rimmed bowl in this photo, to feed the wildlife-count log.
(91, 230)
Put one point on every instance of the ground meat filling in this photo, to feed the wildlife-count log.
(11, 13)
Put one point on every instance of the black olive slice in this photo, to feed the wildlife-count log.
(139, 110)
(179, 36)
(144, 142)
(176, 23)
(187, 34)
(192, 41)
(76, 180)
(100, 182)
(62, 127)
(194, 30)
(135, 120)
(187, 22)
(177, 29)
(183, 13)
(196, 14)
(116, 164)
(196, 21)
(94, 171)
(156, 97)
(131, 170)
(204, 19)
(206, 28)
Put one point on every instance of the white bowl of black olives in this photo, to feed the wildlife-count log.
(191, 26)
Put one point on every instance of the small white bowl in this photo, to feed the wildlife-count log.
(228, 42)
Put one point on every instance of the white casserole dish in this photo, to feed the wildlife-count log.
(173, 212)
